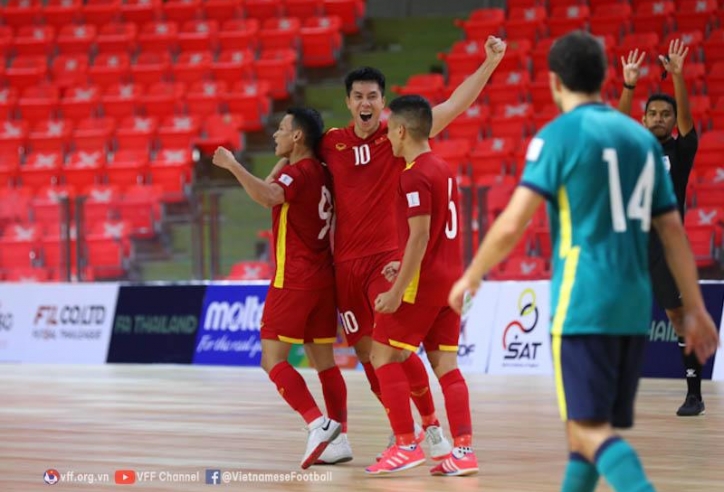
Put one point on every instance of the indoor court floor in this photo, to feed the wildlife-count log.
(180, 421)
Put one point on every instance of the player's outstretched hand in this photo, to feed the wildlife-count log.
(391, 270)
(388, 302)
(495, 49)
(700, 334)
(674, 64)
(223, 158)
(456, 298)
(632, 66)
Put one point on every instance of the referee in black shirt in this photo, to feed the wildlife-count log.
(662, 113)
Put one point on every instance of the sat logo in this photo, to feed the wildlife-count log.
(514, 344)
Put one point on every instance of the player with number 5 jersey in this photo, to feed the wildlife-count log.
(300, 306)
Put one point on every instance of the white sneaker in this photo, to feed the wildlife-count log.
(321, 432)
(338, 451)
(439, 445)
(419, 437)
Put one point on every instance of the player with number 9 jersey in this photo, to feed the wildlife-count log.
(303, 258)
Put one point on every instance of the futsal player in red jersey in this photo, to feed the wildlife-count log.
(300, 305)
(414, 310)
(365, 176)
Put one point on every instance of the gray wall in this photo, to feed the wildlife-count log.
(416, 8)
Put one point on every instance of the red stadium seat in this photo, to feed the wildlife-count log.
(13, 137)
(199, 35)
(191, 67)
(251, 270)
(181, 10)
(21, 12)
(151, 67)
(304, 9)
(220, 130)
(41, 169)
(526, 23)
(94, 134)
(84, 168)
(233, 66)
(491, 157)
(695, 15)
(280, 34)
(568, 18)
(101, 203)
(654, 17)
(239, 34)
(526, 268)
(714, 47)
(203, 98)
(109, 69)
(121, 100)
(76, 39)
(136, 132)
(251, 101)
(483, 22)
(470, 125)
(140, 11)
(100, 12)
(321, 46)
(352, 13)
(8, 103)
(177, 132)
(26, 71)
(51, 136)
(128, 167)
(34, 40)
(163, 99)
(80, 103)
(263, 9)
(278, 69)
(612, 18)
(140, 207)
(117, 37)
(455, 152)
(222, 9)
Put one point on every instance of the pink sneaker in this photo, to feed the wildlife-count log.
(462, 461)
(419, 438)
(397, 459)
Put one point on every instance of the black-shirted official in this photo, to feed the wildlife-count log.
(662, 114)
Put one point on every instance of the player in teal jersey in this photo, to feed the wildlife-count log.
(605, 182)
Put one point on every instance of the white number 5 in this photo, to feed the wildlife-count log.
(451, 228)
(639, 205)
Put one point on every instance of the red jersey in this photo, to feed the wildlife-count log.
(301, 226)
(428, 187)
(365, 176)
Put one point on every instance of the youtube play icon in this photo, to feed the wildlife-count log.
(125, 477)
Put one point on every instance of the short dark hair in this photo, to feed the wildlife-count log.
(580, 62)
(310, 122)
(661, 97)
(364, 74)
(417, 114)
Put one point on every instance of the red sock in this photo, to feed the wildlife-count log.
(457, 404)
(396, 398)
(420, 390)
(335, 395)
(372, 378)
(293, 389)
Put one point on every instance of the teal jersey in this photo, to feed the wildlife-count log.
(604, 178)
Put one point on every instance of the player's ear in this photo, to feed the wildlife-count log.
(555, 82)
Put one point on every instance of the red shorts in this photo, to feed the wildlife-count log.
(436, 327)
(299, 316)
(359, 282)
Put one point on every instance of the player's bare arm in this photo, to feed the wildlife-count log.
(699, 330)
(389, 302)
(631, 66)
(265, 194)
(674, 64)
(467, 92)
(504, 234)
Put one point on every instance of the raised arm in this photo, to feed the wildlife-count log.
(674, 64)
(631, 66)
(263, 193)
(467, 92)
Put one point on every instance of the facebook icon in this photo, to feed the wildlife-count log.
(213, 477)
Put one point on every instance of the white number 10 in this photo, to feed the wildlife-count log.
(639, 205)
